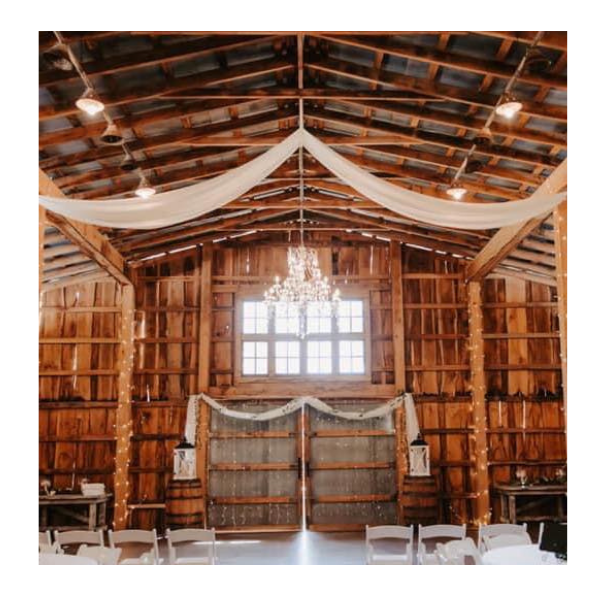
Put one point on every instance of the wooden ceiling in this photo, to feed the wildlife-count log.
(404, 105)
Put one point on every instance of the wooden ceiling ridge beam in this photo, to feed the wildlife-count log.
(87, 237)
(451, 60)
(508, 238)
(208, 78)
(162, 55)
(437, 90)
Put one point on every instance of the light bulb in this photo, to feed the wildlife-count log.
(90, 103)
(509, 107)
(457, 193)
(145, 190)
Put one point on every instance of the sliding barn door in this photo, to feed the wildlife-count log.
(255, 473)
(350, 470)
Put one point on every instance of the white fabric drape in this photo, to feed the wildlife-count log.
(428, 209)
(178, 206)
(412, 424)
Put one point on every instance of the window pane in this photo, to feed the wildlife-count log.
(344, 324)
(319, 357)
(249, 350)
(352, 359)
(319, 318)
(254, 358)
(248, 366)
(286, 318)
(255, 317)
(261, 366)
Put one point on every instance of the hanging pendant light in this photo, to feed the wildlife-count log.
(128, 164)
(509, 107)
(144, 190)
(484, 137)
(111, 135)
(90, 103)
(56, 58)
(456, 192)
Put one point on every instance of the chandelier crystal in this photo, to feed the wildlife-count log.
(304, 286)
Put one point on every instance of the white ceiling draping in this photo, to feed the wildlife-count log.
(178, 206)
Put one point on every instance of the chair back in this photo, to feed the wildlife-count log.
(397, 532)
(499, 529)
(183, 536)
(506, 539)
(78, 537)
(45, 538)
(135, 536)
(457, 552)
(437, 532)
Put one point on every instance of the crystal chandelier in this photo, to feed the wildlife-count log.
(305, 285)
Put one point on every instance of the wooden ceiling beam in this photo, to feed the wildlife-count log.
(448, 60)
(170, 139)
(462, 122)
(86, 237)
(551, 39)
(423, 137)
(159, 56)
(73, 134)
(437, 90)
(508, 238)
(213, 77)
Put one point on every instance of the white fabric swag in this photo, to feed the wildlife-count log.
(412, 423)
(178, 206)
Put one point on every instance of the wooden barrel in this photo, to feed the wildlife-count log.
(184, 504)
(420, 501)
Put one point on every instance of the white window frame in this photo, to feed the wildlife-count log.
(271, 338)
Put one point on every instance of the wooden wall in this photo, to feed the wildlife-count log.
(80, 327)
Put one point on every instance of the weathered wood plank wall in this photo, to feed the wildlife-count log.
(79, 335)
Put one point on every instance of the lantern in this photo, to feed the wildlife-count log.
(419, 457)
(184, 462)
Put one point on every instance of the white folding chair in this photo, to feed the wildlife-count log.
(459, 552)
(78, 537)
(205, 537)
(506, 539)
(436, 532)
(45, 538)
(65, 559)
(137, 536)
(540, 534)
(404, 535)
(499, 529)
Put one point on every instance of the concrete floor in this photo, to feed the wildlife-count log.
(298, 548)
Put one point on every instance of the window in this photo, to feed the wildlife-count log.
(255, 357)
(270, 346)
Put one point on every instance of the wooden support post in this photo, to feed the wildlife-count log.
(399, 367)
(476, 355)
(204, 335)
(42, 229)
(124, 418)
(560, 245)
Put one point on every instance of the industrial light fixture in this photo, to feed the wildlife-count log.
(144, 190)
(456, 192)
(128, 164)
(56, 58)
(111, 135)
(509, 107)
(90, 103)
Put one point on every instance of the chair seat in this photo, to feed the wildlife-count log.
(429, 559)
(389, 559)
(193, 560)
(144, 559)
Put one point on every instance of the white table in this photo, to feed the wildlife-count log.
(65, 559)
(528, 554)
